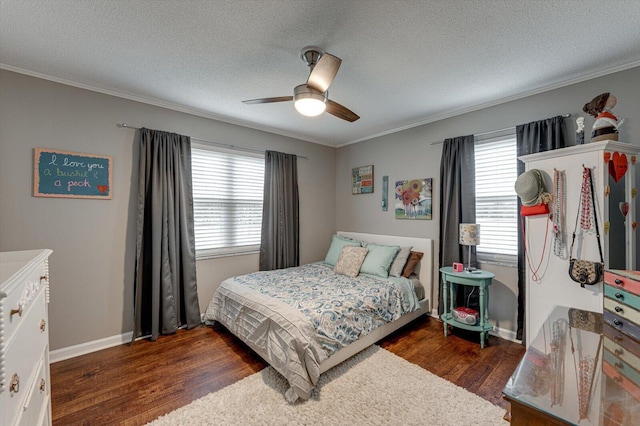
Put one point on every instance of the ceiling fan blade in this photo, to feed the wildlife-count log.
(340, 111)
(268, 100)
(324, 72)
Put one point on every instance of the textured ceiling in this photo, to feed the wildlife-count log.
(405, 63)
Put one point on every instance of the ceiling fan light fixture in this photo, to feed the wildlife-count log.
(308, 101)
(310, 107)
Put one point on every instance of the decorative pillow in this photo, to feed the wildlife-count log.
(337, 243)
(414, 259)
(399, 262)
(350, 260)
(379, 259)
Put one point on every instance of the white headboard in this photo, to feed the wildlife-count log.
(427, 274)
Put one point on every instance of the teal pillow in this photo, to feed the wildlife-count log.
(379, 259)
(337, 243)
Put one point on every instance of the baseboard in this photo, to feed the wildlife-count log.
(108, 342)
(497, 331)
(88, 347)
(505, 334)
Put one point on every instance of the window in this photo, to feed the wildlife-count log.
(496, 199)
(227, 201)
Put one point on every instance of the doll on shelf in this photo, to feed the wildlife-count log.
(580, 131)
(606, 124)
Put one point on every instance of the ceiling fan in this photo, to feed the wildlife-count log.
(312, 97)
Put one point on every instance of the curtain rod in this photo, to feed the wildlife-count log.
(494, 131)
(224, 145)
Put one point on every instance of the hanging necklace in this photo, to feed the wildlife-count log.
(559, 198)
(585, 201)
(558, 346)
(586, 368)
(534, 271)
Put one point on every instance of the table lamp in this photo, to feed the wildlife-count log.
(469, 236)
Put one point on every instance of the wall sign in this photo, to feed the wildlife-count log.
(362, 180)
(385, 193)
(71, 174)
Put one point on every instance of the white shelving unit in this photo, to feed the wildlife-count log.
(554, 287)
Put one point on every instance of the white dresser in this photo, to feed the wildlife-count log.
(25, 390)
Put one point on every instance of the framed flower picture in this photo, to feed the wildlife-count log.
(413, 199)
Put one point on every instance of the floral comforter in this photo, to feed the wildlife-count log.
(296, 318)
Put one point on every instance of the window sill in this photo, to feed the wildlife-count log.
(210, 256)
(497, 259)
(504, 264)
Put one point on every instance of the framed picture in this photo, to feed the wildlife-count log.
(362, 180)
(413, 199)
(65, 174)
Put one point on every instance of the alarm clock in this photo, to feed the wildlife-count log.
(458, 267)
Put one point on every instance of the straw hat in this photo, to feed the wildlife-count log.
(530, 188)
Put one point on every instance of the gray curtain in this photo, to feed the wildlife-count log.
(537, 136)
(457, 205)
(166, 296)
(280, 242)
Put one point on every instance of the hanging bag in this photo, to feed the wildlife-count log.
(586, 272)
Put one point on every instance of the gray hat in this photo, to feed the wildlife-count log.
(530, 188)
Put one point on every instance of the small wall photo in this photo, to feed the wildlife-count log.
(362, 180)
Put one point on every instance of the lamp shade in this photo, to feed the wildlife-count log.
(469, 234)
(308, 101)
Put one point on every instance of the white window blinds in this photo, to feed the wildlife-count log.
(496, 200)
(227, 201)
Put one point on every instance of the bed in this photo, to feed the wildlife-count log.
(305, 320)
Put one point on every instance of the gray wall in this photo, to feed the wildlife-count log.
(93, 241)
(409, 154)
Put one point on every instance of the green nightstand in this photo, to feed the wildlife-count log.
(480, 279)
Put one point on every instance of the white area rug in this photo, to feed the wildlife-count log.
(375, 387)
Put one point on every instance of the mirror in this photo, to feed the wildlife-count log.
(621, 208)
(617, 219)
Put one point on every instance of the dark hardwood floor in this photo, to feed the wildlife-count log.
(134, 384)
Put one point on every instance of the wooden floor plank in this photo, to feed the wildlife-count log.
(134, 384)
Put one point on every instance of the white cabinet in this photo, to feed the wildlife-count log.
(552, 285)
(25, 390)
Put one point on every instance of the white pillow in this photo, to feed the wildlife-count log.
(399, 262)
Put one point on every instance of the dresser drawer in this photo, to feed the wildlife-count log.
(621, 324)
(35, 407)
(624, 280)
(625, 311)
(627, 343)
(621, 380)
(21, 357)
(19, 300)
(622, 367)
(622, 353)
(622, 295)
(46, 415)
